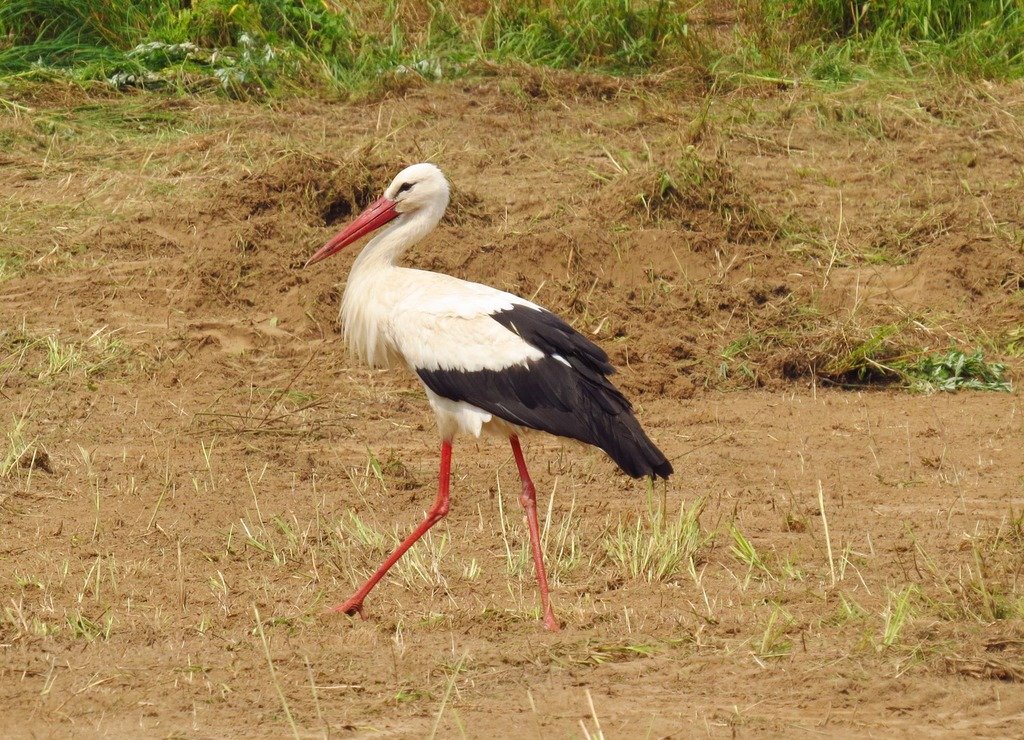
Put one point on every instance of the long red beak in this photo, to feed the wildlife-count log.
(376, 215)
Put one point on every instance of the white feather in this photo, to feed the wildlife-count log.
(428, 320)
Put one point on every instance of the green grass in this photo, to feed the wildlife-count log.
(1014, 341)
(899, 610)
(617, 35)
(254, 45)
(660, 547)
(744, 551)
(773, 643)
(837, 41)
(10, 264)
(101, 354)
(882, 358)
(20, 447)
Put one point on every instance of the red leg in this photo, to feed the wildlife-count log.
(529, 502)
(436, 514)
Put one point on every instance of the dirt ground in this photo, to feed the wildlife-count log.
(199, 469)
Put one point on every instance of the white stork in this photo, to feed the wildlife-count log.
(488, 360)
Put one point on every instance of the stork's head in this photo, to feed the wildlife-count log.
(418, 189)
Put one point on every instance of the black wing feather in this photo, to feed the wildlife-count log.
(566, 393)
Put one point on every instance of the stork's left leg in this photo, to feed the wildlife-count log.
(529, 502)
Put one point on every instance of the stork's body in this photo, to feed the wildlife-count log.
(489, 360)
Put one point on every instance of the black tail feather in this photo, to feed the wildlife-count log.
(633, 451)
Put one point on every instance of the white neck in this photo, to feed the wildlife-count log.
(391, 242)
(363, 309)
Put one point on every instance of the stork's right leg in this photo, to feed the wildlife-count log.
(437, 513)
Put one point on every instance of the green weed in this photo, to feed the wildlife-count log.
(11, 263)
(988, 586)
(593, 652)
(848, 611)
(870, 358)
(61, 357)
(49, 355)
(362, 533)
(421, 564)
(1014, 341)
(954, 370)
(560, 542)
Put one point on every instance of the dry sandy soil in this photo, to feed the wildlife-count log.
(195, 469)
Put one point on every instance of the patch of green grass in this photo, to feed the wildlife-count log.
(254, 45)
(618, 35)
(61, 357)
(835, 42)
(869, 358)
(10, 264)
(1014, 341)
(367, 536)
(660, 547)
(21, 448)
(693, 187)
(49, 355)
(800, 342)
(773, 643)
(744, 551)
(847, 611)
(884, 356)
(420, 565)
(593, 652)
(559, 541)
(127, 116)
(986, 588)
(100, 352)
(64, 33)
(898, 612)
(89, 629)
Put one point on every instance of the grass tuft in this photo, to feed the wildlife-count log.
(659, 547)
(744, 551)
(21, 448)
(898, 612)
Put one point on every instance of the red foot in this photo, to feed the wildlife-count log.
(550, 623)
(350, 607)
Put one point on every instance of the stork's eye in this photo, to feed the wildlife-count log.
(404, 186)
